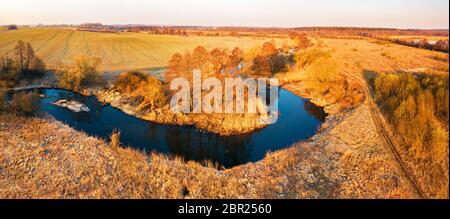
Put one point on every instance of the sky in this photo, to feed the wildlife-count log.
(426, 14)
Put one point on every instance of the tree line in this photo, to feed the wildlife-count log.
(267, 62)
(417, 107)
(440, 45)
(24, 64)
(211, 63)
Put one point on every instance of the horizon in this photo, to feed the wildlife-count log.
(418, 14)
(235, 26)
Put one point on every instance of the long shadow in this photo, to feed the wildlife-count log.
(369, 77)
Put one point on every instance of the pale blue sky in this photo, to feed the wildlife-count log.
(283, 13)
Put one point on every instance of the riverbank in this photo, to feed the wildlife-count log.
(344, 160)
(220, 123)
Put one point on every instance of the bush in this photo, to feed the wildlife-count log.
(80, 75)
(303, 41)
(24, 103)
(129, 81)
(310, 56)
(115, 139)
(2, 100)
(147, 91)
(152, 94)
(321, 74)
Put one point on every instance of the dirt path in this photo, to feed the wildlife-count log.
(376, 117)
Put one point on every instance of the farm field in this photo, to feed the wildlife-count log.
(118, 51)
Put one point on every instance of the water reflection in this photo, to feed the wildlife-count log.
(315, 111)
(193, 144)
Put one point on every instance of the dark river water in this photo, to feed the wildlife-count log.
(298, 120)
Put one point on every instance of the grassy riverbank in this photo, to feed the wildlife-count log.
(55, 161)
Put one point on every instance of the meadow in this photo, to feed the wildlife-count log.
(118, 51)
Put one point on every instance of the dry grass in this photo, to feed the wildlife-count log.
(360, 60)
(345, 160)
(417, 108)
(390, 58)
(55, 161)
(322, 78)
(350, 61)
(124, 51)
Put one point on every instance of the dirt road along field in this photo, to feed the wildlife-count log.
(381, 129)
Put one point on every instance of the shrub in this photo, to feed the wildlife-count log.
(303, 41)
(322, 75)
(129, 81)
(24, 103)
(2, 100)
(147, 91)
(310, 56)
(80, 75)
(152, 94)
(115, 139)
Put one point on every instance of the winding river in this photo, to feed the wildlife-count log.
(298, 120)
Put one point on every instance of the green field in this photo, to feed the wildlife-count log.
(118, 51)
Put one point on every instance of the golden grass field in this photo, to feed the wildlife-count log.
(357, 57)
(56, 161)
(118, 51)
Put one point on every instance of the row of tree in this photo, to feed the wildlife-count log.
(12, 27)
(219, 62)
(440, 45)
(24, 64)
(211, 63)
(163, 30)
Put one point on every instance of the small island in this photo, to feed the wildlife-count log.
(72, 105)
